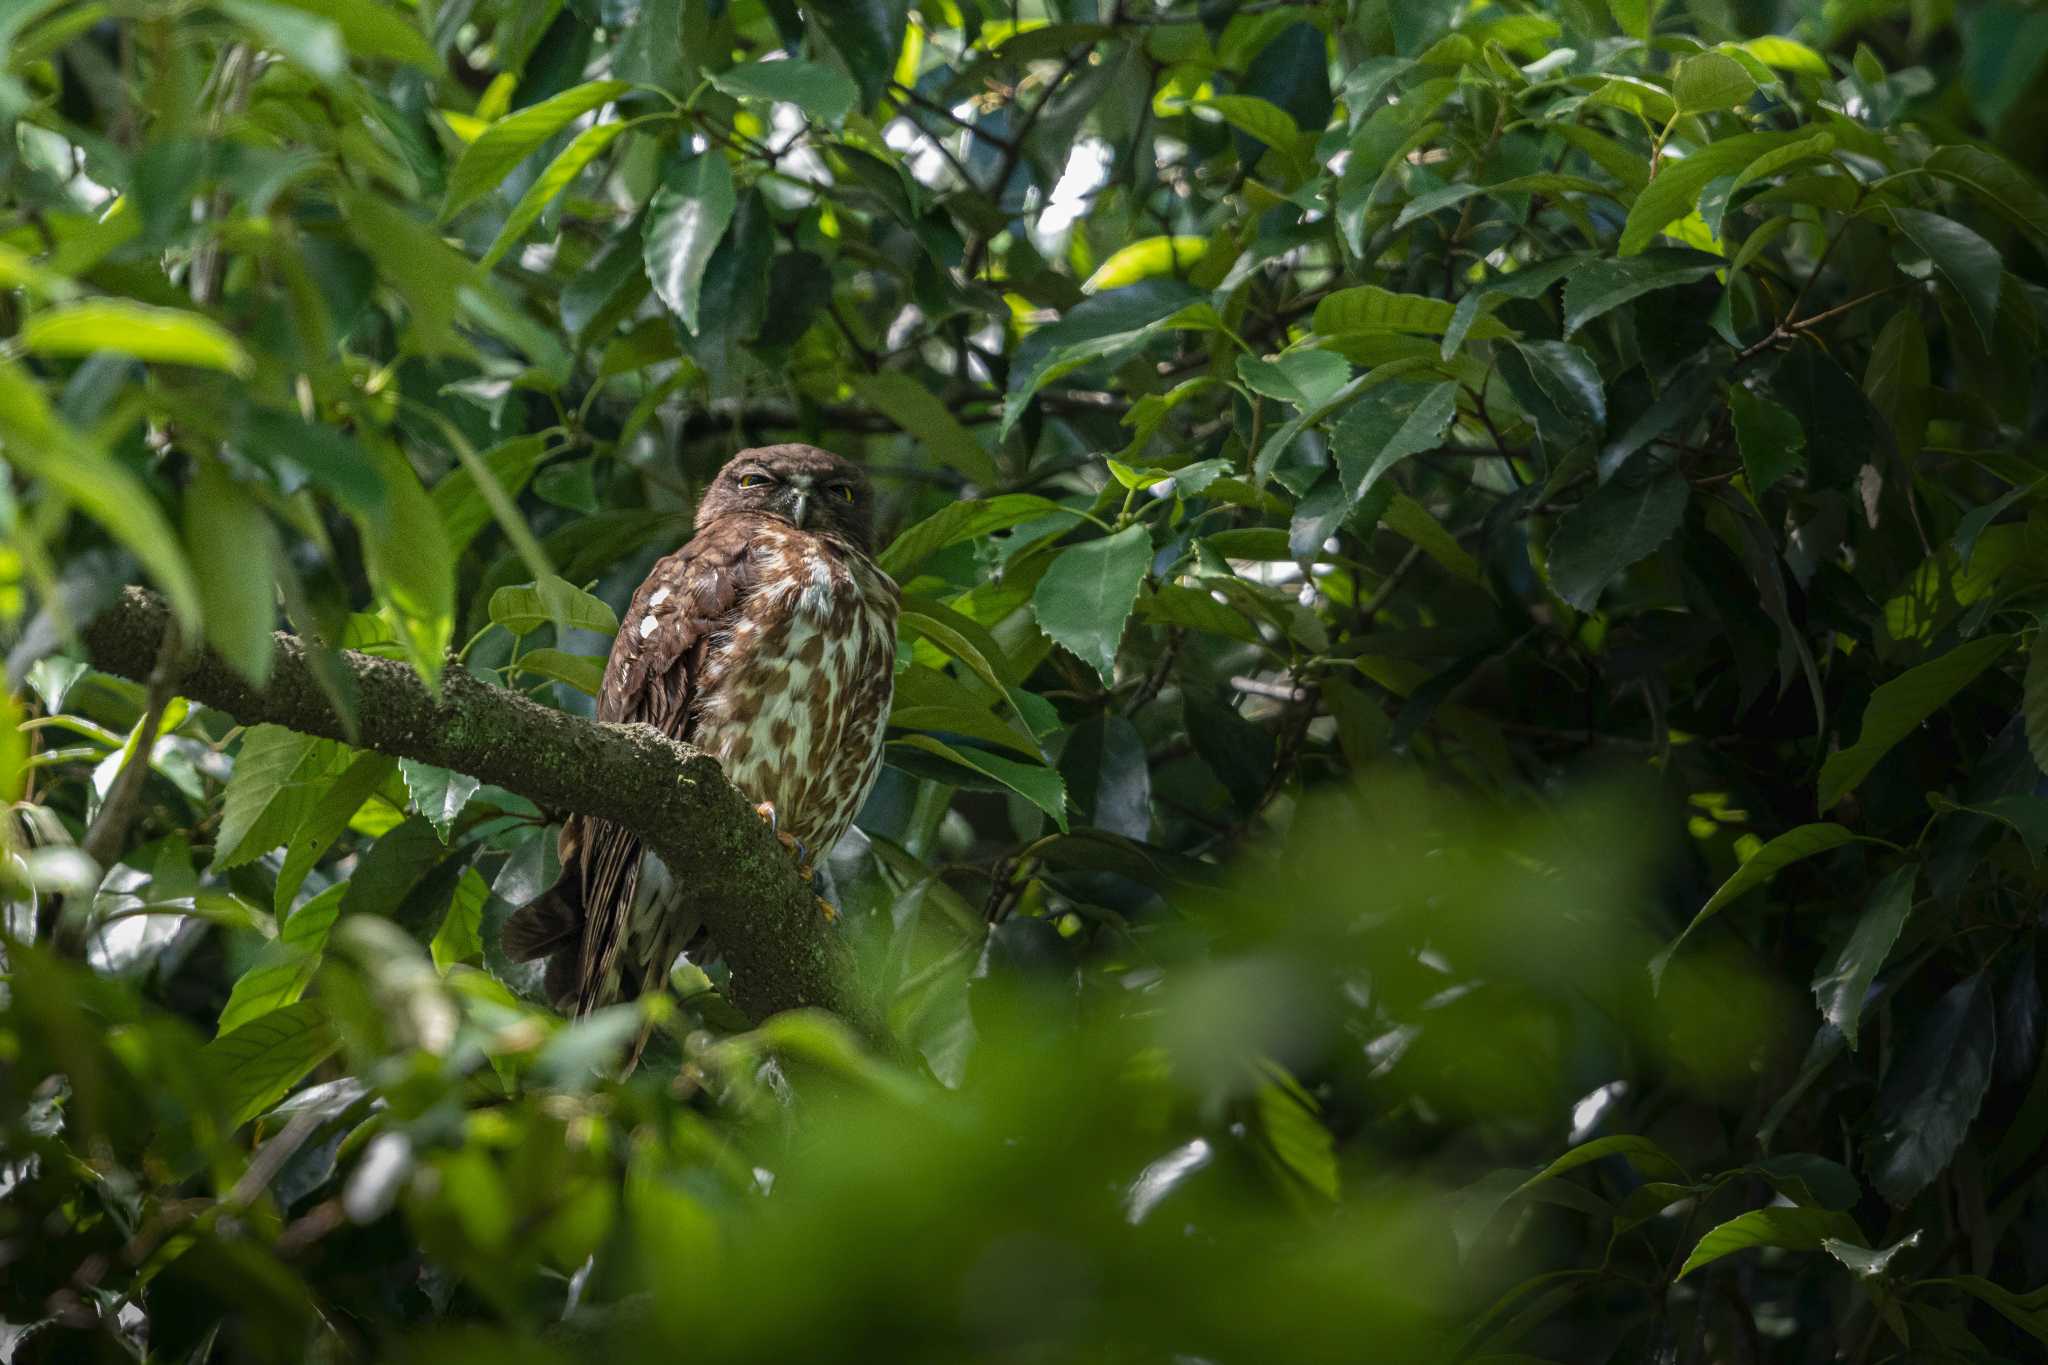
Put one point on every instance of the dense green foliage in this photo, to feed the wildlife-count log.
(1466, 778)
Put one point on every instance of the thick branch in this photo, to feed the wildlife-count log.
(763, 916)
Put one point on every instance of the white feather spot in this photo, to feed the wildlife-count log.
(817, 591)
(647, 625)
(658, 598)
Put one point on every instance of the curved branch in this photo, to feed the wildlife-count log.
(676, 798)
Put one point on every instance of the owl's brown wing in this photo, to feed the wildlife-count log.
(651, 677)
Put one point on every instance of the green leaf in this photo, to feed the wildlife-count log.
(1601, 285)
(279, 777)
(1676, 190)
(510, 140)
(1771, 162)
(1794, 1229)
(1369, 308)
(1527, 283)
(2034, 700)
(584, 672)
(1999, 183)
(915, 408)
(1897, 380)
(2029, 1312)
(1287, 1119)
(685, 220)
(1146, 258)
(308, 41)
(971, 721)
(1260, 119)
(1035, 782)
(1307, 379)
(1787, 54)
(1379, 433)
(460, 937)
(1558, 385)
(1708, 81)
(1086, 596)
(560, 174)
(260, 1061)
(526, 607)
(1485, 1199)
(958, 521)
(411, 569)
(171, 336)
(437, 793)
(868, 35)
(370, 29)
(1933, 1090)
(1897, 708)
(1619, 523)
(421, 268)
(284, 966)
(459, 500)
(958, 636)
(1794, 845)
(1969, 263)
(323, 824)
(1807, 1179)
(1840, 991)
(1770, 438)
(1409, 519)
(1173, 605)
(1104, 328)
(824, 93)
(233, 549)
(331, 459)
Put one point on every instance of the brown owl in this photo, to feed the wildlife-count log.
(768, 641)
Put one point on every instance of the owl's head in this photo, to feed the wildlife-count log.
(811, 489)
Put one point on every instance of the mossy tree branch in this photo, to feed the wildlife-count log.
(763, 916)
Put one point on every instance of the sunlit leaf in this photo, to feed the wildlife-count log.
(511, 139)
(1086, 596)
(685, 221)
(169, 336)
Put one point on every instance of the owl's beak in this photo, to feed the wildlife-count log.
(800, 507)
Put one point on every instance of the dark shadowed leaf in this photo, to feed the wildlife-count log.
(1387, 427)
(1968, 262)
(1932, 1092)
(822, 92)
(1769, 437)
(1107, 779)
(1842, 989)
(1899, 706)
(1619, 523)
(867, 35)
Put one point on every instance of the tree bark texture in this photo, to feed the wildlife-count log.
(763, 916)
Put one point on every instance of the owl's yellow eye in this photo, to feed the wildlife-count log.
(843, 490)
(753, 480)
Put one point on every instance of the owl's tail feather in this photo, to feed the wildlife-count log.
(546, 924)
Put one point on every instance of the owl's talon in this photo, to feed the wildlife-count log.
(766, 810)
(827, 909)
